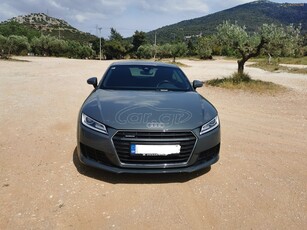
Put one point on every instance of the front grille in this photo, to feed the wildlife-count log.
(123, 140)
(94, 154)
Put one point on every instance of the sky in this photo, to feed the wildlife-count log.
(126, 16)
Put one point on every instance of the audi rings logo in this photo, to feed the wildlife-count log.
(155, 125)
(152, 117)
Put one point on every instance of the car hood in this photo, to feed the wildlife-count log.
(158, 110)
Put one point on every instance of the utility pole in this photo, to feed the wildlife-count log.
(99, 43)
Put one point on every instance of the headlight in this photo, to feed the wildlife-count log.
(210, 125)
(93, 124)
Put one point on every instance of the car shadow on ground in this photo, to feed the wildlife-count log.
(134, 178)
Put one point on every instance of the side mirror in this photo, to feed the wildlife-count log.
(197, 84)
(92, 81)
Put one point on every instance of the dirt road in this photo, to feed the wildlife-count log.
(259, 182)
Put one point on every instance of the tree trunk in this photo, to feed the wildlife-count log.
(241, 66)
(270, 58)
(246, 57)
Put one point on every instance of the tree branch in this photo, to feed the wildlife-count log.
(258, 50)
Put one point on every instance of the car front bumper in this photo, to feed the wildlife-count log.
(98, 150)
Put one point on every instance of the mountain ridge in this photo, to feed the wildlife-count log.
(48, 25)
(42, 21)
(252, 15)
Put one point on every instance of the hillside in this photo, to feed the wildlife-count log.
(252, 15)
(42, 23)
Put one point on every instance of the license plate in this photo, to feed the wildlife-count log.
(154, 150)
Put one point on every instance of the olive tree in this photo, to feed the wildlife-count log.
(164, 51)
(145, 51)
(52, 46)
(178, 50)
(42, 45)
(270, 39)
(3, 41)
(16, 45)
(58, 47)
(204, 48)
(172, 50)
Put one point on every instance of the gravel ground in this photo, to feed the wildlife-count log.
(258, 183)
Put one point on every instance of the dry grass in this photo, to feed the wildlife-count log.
(12, 58)
(244, 82)
(180, 64)
(295, 61)
(275, 65)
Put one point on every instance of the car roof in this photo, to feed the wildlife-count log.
(143, 63)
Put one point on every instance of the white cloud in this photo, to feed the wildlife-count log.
(56, 5)
(80, 18)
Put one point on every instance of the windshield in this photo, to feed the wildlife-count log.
(145, 78)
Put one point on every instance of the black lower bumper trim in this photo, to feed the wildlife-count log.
(188, 169)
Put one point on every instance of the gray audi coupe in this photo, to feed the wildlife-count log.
(146, 117)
